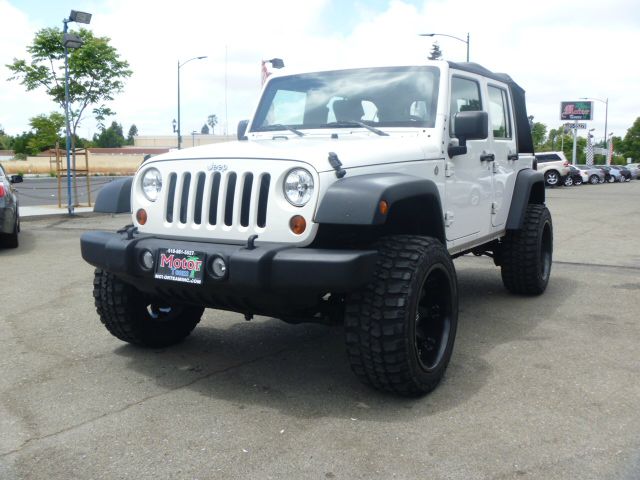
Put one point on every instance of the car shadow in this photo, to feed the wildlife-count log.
(302, 370)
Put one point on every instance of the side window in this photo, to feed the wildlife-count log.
(465, 96)
(499, 113)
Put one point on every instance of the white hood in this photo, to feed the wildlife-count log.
(353, 150)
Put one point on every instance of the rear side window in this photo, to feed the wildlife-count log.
(499, 113)
(465, 97)
(547, 157)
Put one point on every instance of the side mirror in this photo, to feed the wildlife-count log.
(471, 125)
(15, 179)
(242, 129)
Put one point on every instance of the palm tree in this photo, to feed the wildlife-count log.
(212, 121)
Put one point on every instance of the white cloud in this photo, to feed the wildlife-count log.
(555, 50)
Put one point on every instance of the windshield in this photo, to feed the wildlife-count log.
(379, 97)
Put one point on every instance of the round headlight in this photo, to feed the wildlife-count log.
(151, 184)
(298, 187)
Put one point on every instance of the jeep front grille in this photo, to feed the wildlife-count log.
(218, 198)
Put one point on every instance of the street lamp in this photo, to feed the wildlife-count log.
(72, 41)
(180, 65)
(450, 36)
(173, 124)
(606, 113)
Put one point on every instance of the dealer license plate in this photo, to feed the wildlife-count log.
(178, 265)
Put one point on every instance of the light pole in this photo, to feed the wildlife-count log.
(606, 114)
(72, 41)
(180, 65)
(450, 36)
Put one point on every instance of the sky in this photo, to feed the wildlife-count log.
(556, 50)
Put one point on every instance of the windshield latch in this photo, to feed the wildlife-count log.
(335, 162)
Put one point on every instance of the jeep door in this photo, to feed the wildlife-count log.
(502, 144)
(468, 186)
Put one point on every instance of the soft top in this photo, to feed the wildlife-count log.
(523, 129)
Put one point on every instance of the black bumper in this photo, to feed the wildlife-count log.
(265, 268)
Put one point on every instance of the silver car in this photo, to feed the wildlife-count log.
(593, 175)
(9, 214)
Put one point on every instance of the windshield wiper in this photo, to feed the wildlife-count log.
(280, 126)
(355, 123)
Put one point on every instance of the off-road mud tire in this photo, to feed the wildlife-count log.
(410, 305)
(527, 254)
(130, 315)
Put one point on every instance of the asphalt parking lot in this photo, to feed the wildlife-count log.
(541, 388)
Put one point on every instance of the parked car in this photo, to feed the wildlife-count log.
(634, 168)
(591, 174)
(9, 213)
(626, 173)
(611, 174)
(554, 166)
(575, 177)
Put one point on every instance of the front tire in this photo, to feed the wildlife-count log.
(134, 317)
(578, 181)
(594, 180)
(526, 255)
(400, 329)
(568, 181)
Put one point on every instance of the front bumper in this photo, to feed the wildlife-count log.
(265, 268)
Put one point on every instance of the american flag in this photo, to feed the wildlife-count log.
(589, 150)
(265, 72)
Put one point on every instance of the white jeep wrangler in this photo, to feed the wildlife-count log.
(345, 199)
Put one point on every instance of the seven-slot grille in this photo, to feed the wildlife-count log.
(217, 198)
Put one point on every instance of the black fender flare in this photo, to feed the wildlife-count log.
(114, 197)
(355, 200)
(529, 188)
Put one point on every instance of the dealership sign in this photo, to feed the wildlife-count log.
(580, 110)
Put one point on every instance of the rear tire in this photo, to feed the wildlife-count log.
(10, 240)
(400, 328)
(568, 181)
(578, 181)
(594, 180)
(526, 254)
(135, 317)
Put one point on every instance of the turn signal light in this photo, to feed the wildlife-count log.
(298, 224)
(383, 207)
(141, 216)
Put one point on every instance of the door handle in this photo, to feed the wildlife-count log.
(487, 157)
(512, 156)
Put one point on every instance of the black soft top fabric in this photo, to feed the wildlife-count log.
(523, 130)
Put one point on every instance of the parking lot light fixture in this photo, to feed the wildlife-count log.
(450, 36)
(70, 41)
(180, 65)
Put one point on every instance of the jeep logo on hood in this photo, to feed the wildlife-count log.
(217, 167)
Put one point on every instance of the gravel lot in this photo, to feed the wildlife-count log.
(541, 388)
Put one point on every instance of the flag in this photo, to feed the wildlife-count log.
(610, 151)
(589, 150)
(265, 72)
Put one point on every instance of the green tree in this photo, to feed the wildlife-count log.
(631, 143)
(48, 131)
(96, 72)
(539, 134)
(133, 132)
(20, 142)
(212, 121)
(110, 137)
(204, 130)
(435, 53)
